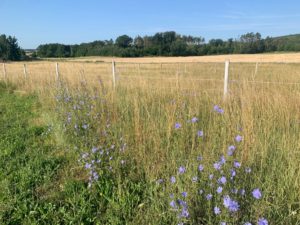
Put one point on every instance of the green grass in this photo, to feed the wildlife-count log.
(42, 174)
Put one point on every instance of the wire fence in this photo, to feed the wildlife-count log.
(187, 75)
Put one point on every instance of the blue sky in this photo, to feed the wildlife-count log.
(36, 22)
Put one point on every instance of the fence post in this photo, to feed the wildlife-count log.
(25, 71)
(226, 78)
(4, 72)
(256, 68)
(57, 71)
(114, 74)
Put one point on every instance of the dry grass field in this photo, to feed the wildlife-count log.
(151, 109)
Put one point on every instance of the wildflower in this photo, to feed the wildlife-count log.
(122, 162)
(222, 180)
(84, 155)
(194, 120)
(243, 192)
(231, 150)
(238, 138)
(236, 164)
(200, 168)
(230, 204)
(233, 173)
(219, 190)
(248, 170)
(88, 165)
(223, 223)
(85, 126)
(199, 158)
(247, 223)
(173, 204)
(171, 195)
(177, 126)
(262, 221)
(94, 149)
(201, 191)
(217, 210)
(182, 203)
(217, 165)
(211, 176)
(209, 197)
(181, 170)
(218, 109)
(222, 160)
(195, 179)
(256, 193)
(173, 180)
(184, 194)
(159, 181)
(234, 191)
(184, 212)
(200, 133)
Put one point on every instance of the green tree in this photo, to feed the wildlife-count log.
(124, 41)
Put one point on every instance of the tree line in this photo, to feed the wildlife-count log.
(167, 44)
(161, 44)
(10, 49)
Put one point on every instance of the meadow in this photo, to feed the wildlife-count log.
(162, 147)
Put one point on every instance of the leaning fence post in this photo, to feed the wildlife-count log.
(25, 71)
(57, 71)
(114, 74)
(226, 78)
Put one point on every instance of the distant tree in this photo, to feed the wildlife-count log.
(124, 41)
(139, 42)
(9, 49)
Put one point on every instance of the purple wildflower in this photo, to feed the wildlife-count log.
(184, 194)
(160, 181)
(94, 149)
(194, 120)
(181, 170)
(262, 221)
(233, 173)
(256, 193)
(247, 223)
(200, 133)
(184, 213)
(217, 165)
(236, 164)
(230, 204)
(173, 180)
(217, 210)
(222, 180)
(85, 126)
(173, 204)
(200, 168)
(223, 223)
(177, 126)
(209, 197)
(231, 150)
(88, 165)
(218, 109)
(238, 138)
(219, 190)
(211, 176)
(222, 160)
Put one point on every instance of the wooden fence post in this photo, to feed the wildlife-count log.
(57, 72)
(4, 72)
(114, 74)
(226, 78)
(25, 71)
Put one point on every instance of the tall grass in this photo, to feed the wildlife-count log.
(135, 126)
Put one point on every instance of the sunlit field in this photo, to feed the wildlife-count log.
(162, 146)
